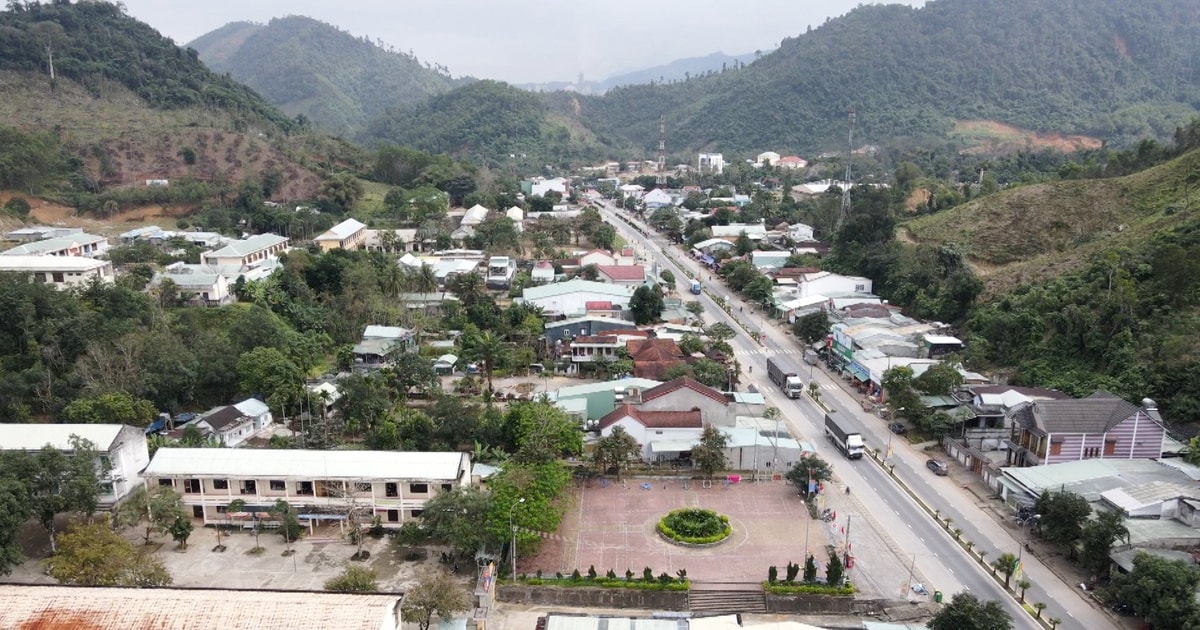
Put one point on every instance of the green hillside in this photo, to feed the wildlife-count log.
(93, 43)
(310, 68)
(1031, 233)
(1108, 68)
(490, 121)
(1111, 69)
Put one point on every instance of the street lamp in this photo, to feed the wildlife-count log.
(513, 528)
(807, 524)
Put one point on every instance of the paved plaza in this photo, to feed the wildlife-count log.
(612, 526)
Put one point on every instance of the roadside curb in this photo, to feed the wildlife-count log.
(956, 535)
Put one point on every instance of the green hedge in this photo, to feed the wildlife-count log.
(666, 530)
(655, 585)
(808, 589)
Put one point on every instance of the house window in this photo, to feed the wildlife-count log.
(249, 487)
(1056, 447)
(859, 288)
(197, 511)
(418, 488)
(302, 487)
(222, 509)
(106, 487)
(447, 487)
(1090, 452)
(1110, 447)
(393, 516)
(362, 486)
(278, 485)
(391, 489)
(417, 513)
(191, 486)
(166, 483)
(57, 276)
(105, 464)
(220, 484)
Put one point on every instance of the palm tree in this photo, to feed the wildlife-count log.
(487, 347)
(1006, 564)
(393, 280)
(1024, 585)
(425, 280)
(469, 288)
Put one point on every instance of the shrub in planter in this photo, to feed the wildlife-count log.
(695, 526)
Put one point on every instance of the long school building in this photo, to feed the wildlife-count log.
(320, 484)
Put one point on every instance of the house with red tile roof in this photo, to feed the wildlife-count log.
(652, 358)
(648, 427)
(627, 275)
(685, 393)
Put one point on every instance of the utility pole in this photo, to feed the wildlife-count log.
(661, 178)
(845, 213)
(846, 555)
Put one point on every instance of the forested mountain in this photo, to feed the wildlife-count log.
(95, 42)
(1113, 69)
(491, 123)
(307, 67)
(95, 103)
(678, 70)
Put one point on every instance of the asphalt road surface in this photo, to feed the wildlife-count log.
(920, 541)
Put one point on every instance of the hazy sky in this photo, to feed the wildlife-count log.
(525, 40)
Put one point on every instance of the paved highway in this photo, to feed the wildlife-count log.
(917, 538)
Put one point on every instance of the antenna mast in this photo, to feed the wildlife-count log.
(661, 179)
(845, 214)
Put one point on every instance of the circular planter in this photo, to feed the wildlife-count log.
(694, 527)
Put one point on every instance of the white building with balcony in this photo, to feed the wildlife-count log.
(121, 450)
(247, 252)
(321, 485)
(60, 271)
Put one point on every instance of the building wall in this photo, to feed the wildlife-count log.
(127, 456)
(576, 303)
(685, 399)
(1138, 437)
(834, 284)
(645, 435)
(395, 501)
(73, 278)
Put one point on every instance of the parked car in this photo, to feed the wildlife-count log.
(898, 428)
(938, 467)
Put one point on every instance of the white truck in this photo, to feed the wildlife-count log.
(849, 443)
(785, 377)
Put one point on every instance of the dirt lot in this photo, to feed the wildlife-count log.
(49, 213)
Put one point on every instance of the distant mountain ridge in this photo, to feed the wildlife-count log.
(306, 67)
(678, 70)
(1108, 69)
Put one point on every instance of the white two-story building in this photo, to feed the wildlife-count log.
(321, 485)
(121, 451)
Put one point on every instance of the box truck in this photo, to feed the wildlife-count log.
(785, 376)
(850, 443)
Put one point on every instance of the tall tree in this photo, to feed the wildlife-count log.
(453, 518)
(156, 510)
(812, 327)
(646, 304)
(435, 593)
(1098, 536)
(92, 554)
(616, 450)
(809, 468)
(1062, 517)
(1161, 591)
(1006, 564)
(966, 612)
(62, 483)
(486, 347)
(709, 454)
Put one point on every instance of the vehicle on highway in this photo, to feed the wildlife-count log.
(938, 467)
(695, 287)
(898, 428)
(785, 376)
(850, 443)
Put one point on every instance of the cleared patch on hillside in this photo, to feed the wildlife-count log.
(124, 142)
(45, 212)
(994, 137)
(1030, 233)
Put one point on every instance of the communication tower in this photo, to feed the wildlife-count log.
(661, 178)
(845, 214)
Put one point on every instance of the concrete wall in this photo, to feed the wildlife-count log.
(571, 596)
(822, 604)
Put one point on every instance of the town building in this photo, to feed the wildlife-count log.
(766, 158)
(40, 232)
(320, 485)
(653, 358)
(73, 244)
(755, 231)
(571, 298)
(122, 451)
(246, 253)
(627, 275)
(379, 344)
(1101, 426)
(53, 607)
(197, 284)
(350, 234)
(60, 271)
(232, 425)
(542, 273)
(710, 163)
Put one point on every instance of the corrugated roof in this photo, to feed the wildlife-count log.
(1095, 414)
(72, 607)
(250, 245)
(577, 286)
(51, 263)
(31, 437)
(233, 463)
(623, 272)
(576, 391)
(342, 230)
